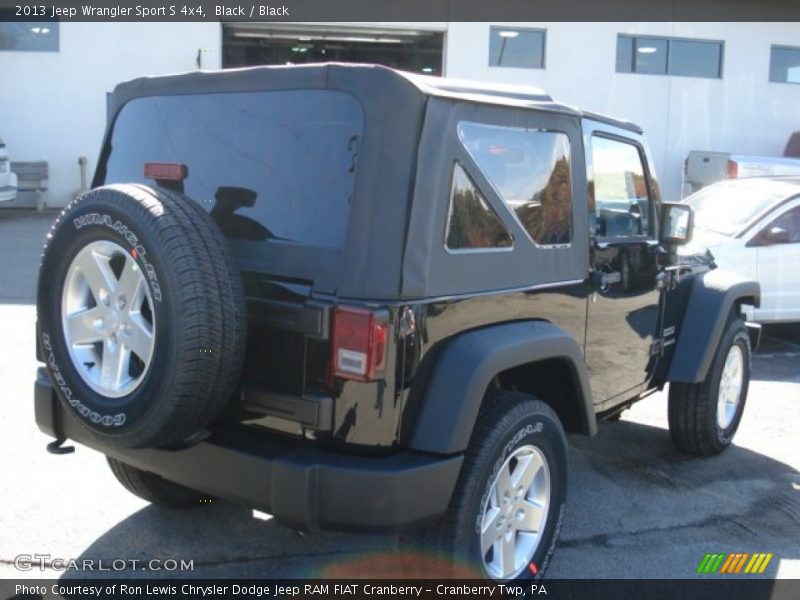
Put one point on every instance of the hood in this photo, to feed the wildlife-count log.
(701, 240)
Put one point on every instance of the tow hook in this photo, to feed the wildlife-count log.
(57, 447)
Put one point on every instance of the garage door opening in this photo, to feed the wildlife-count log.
(250, 44)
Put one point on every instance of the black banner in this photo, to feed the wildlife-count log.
(401, 10)
(732, 588)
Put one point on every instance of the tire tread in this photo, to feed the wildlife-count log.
(691, 404)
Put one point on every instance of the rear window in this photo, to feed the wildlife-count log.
(275, 165)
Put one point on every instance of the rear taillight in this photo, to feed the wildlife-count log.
(733, 169)
(165, 171)
(358, 344)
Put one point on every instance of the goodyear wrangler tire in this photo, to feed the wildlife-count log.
(704, 416)
(508, 505)
(141, 315)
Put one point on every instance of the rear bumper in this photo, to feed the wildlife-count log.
(305, 488)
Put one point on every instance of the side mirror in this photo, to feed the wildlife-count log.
(777, 235)
(677, 223)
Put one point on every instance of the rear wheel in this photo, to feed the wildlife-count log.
(704, 416)
(507, 507)
(153, 488)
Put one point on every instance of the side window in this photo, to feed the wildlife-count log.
(472, 223)
(530, 170)
(622, 206)
(785, 229)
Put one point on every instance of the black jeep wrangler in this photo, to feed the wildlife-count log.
(361, 299)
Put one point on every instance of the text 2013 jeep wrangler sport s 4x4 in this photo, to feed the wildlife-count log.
(361, 299)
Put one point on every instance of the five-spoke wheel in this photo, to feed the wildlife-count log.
(108, 319)
(515, 513)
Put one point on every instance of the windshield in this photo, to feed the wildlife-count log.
(726, 207)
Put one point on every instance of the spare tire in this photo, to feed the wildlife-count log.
(141, 315)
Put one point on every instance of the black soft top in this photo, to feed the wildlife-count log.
(322, 75)
(370, 264)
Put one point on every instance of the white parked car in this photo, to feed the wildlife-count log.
(8, 180)
(752, 226)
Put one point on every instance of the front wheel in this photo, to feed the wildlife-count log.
(508, 505)
(704, 416)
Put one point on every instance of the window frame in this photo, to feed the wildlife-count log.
(541, 30)
(772, 48)
(651, 195)
(670, 40)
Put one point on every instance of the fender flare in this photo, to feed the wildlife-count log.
(712, 298)
(466, 367)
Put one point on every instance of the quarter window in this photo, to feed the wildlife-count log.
(622, 206)
(530, 170)
(669, 56)
(514, 47)
(472, 222)
(784, 65)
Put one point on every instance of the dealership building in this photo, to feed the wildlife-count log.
(729, 87)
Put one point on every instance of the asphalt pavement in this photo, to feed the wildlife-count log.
(637, 508)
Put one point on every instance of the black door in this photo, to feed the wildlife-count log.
(623, 313)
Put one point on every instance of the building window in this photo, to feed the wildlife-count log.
(472, 222)
(514, 47)
(641, 55)
(530, 170)
(784, 64)
(669, 56)
(29, 36)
